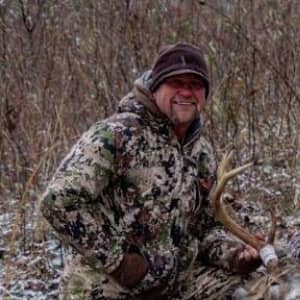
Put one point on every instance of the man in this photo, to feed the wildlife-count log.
(131, 197)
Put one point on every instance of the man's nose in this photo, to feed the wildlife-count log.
(185, 91)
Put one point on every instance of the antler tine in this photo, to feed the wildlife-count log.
(222, 170)
(224, 164)
(272, 232)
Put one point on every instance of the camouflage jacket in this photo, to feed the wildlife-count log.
(130, 185)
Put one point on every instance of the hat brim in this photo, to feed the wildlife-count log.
(181, 72)
(163, 77)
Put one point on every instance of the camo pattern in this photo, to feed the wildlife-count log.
(294, 245)
(130, 185)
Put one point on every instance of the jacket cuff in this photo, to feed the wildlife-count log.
(114, 256)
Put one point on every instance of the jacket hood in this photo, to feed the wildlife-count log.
(140, 98)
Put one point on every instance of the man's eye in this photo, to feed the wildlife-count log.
(176, 83)
(197, 85)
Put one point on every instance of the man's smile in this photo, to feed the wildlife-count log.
(183, 103)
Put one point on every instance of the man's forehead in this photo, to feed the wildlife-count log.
(187, 76)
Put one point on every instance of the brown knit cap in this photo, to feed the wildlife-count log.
(181, 58)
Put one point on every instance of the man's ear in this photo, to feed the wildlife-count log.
(154, 95)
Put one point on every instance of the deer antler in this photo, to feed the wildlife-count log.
(266, 250)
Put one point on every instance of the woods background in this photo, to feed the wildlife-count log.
(66, 64)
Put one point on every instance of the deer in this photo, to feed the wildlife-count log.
(281, 279)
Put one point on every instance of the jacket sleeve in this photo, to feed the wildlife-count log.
(74, 204)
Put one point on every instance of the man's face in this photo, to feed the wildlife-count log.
(181, 98)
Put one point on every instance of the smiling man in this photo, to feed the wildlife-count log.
(131, 198)
(181, 98)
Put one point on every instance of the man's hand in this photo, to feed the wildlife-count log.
(131, 271)
(246, 258)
